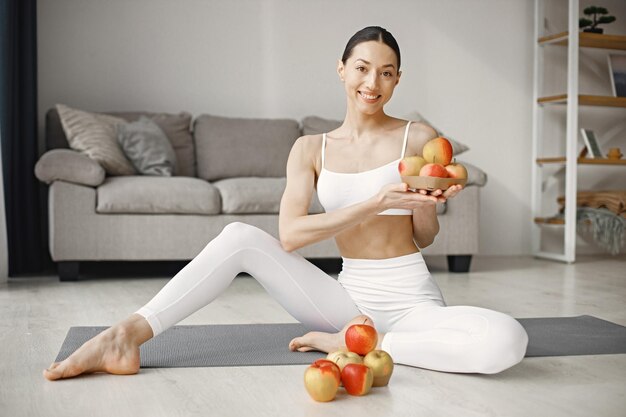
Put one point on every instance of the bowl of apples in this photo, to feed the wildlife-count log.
(435, 169)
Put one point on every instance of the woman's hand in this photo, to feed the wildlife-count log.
(443, 196)
(398, 196)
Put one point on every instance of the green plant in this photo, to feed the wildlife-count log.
(595, 11)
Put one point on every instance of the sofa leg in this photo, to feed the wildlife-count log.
(459, 263)
(68, 270)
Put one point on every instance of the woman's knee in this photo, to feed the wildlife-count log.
(236, 227)
(241, 232)
(504, 347)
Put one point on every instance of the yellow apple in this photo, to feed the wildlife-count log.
(344, 357)
(456, 170)
(411, 165)
(321, 380)
(381, 364)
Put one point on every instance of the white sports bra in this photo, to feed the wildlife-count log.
(337, 190)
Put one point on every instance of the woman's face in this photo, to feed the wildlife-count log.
(370, 75)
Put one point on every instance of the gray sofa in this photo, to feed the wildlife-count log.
(228, 170)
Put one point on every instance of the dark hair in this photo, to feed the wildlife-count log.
(371, 33)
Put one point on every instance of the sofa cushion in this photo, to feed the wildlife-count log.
(314, 125)
(177, 128)
(256, 195)
(68, 165)
(157, 195)
(233, 147)
(147, 147)
(95, 135)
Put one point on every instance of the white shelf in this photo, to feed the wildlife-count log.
(572, 39)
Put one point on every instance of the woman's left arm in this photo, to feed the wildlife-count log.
(425, 222)
(425, 225)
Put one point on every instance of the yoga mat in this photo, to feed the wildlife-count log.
(267, 344)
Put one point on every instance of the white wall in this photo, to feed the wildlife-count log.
(467, 66)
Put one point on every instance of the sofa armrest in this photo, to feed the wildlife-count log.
(460, 226)
(68, 165)
(458, 233)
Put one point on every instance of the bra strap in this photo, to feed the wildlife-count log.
(323, 148)
(406, 136)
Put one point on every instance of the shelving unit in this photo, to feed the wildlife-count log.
(573, 40)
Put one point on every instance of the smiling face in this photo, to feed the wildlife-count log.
(370, 75)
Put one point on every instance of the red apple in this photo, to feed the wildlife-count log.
(411, 165)
(344, 357)
(456, 170)
(320, 380)
(438, 151)
(433, 170)
(361, 338)
(381, 364)
(357, 378)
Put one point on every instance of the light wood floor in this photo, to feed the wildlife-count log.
(35, 314)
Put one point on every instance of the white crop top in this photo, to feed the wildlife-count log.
(337, 190)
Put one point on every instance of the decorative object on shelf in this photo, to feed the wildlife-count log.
(593, 12)
(608, 228)
(591, 143)
(617, 72)
(605, 213)
(615, 153)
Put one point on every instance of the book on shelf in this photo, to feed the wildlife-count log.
(617, 72)
(593, 148)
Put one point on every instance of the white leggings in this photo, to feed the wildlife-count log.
(398, 294)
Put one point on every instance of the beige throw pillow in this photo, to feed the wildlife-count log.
(95, 135)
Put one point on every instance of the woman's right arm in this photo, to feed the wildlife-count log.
(297, 228)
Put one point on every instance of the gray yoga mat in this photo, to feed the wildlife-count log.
(267, 344)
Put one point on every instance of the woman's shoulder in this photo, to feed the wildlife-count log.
(419, 134)
(307, 142)
(308, 147)
(421, 130)
(417, 128)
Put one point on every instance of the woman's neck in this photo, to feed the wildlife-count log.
(359, 125)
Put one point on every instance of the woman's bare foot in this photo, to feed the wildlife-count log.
(326, 342)
(115, 351)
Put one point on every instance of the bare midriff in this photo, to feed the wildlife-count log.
(378, 238)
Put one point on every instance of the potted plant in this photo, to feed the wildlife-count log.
(594, 11)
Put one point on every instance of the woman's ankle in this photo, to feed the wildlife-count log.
(135, 328)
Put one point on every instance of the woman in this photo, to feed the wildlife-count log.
(379, 226)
